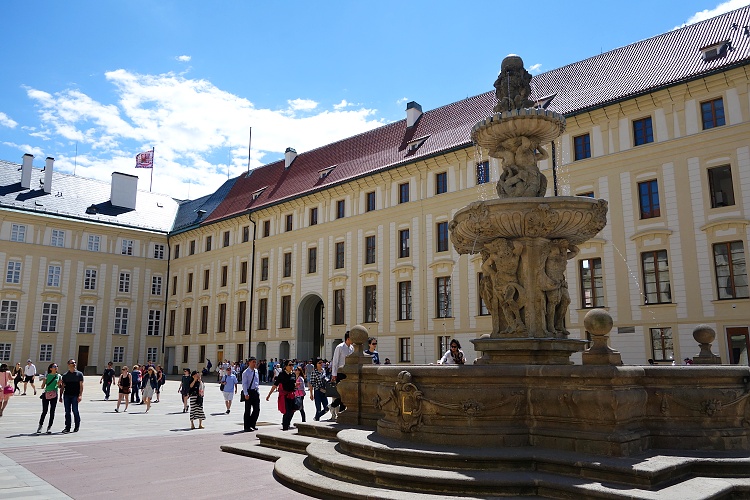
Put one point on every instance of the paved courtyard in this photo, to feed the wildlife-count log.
(133, 453)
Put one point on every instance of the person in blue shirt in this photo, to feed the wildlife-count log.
(372, 350)
(230, 387)
(250, 381)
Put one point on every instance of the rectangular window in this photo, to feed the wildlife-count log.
(592, 283)
(444, 343)
(370, 201)
(209, 239)
(206, 278)
(222, 323)
(339, 255)
(731, 270)
(154, 322)
(45, 352)
(118, 355)
(124, 283)
(53, 275)
(190, 283)
(312, 260)
(483, 172)
(201, 354)
(185, 353)
(204, 320)
(403, 192)
(224, 275)
(656, 288)
(121, 321)
(483, 311)
(86, 319)
(404, 344)
(174, 285)
(404, 300)
(643, 133)
(18, 233)
(241, 315)
(582, 146)
(245, 234)
(442, 236)
(371, 309)
(712, 113)
(263, 314)
(225, 239)
(313, 216)
(192, 248)
(403, 243)
(172, 322)
(8, 314)
(156, 285)
(49, 317)
(648, 198)
(266, 228)
(339, 303)
(264, 269)
(13, 272)
(443, 304)
(662, 348)
(5, 349)
(720, 184)
(340, 209)
(152, 353)
(158, 251)
(286, 311)
(287, 264)
(587, 194)
(370, 250)
(58, 238)
(289, 222)
(93, 243)
(127, 247)
(441, 183)
(186, 330)
(177, 251)
(243, 271)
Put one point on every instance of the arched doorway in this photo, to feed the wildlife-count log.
(310, 327)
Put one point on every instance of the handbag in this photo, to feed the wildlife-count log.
(8, 389)
(298, 401)
(223, 383)
(199, 400)
(50, 394)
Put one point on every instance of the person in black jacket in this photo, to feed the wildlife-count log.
(285, 383)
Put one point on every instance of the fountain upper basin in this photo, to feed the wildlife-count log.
(539, 125)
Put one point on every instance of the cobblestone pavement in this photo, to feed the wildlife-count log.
(133, 453)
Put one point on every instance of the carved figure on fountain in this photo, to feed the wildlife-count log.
(521, 177)
(554, 285)
(500, 267)
(513, 85)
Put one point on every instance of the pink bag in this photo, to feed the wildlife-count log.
(8, 389)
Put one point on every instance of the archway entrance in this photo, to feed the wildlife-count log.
(310, 327)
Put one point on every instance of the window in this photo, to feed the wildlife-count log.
(174, 285)
(121, 321)
(444, 343)
(339, 255)
(225, 239)
(86, 319)
(404, 349)
(404, 300)
(240, 351)
(370, 201)
(58, 238)
(266, 228)
(587, 194)
(202, 354)
(340, 209)
(5, 351)
(662, 348)
(154, 322)
(720, 184)
(13, 272)
(204, 320)
(124, 283)
(582, 147)
(656, 277)
(241, 315)
(286, 311)
(712, 113)
(648, 197)
(206, 278)
(172, 322)
(289, 223)
(53, 275)
(45, 352)
(403, 243)
(127, 247)
(483, 172)
(222, 324)
(263, 314)
(442, 236)
(312, 260)
(18, 233)
(191, 250)
(224, 275)
(185, 353)
(264, 269)
(287, 264)
(731, 270)
(441, 183)
(190, 283)
(209, 239)
(245, 234)
(177, 251)
(371, 309)
(152, 353)
(158, 251)
(156, 285)
(243, 271)
(338, 303)
(93, 243)
(592, 285)
(118, 355)
(49, 317)
(8, 314)
(483, 311)
(643, 133)
(188, 320)
(370, 250)
(443, 305)
(313, 216)
(403, 192)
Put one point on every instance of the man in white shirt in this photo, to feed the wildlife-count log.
(29, 372)
(339, 360)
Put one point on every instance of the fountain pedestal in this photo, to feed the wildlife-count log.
(526, 351)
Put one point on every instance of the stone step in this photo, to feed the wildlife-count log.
(322, 430)
(285, 440)
(256, 450)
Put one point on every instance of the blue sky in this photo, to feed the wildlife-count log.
(189, 78)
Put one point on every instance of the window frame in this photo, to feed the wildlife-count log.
(86, 318)
(657, 280)
(483, 172)
(589, 297)
(264, 269)
(313, 214)
(263, 313)
(714, 113)
(156, 284)
(370, 249)
(13, 272)
(286, 311)
(370, 310)
(339, 306)
(94, 243)
(443, 297)
(57, 238)
(8, 315)
(54, 275)
(339, 255)
(581, 147)
(404, 344)
(120, 326)
(154, 323)
(441, 183)
(405, 312)
(370, 201)
(18, 233)
(715, 188)
(287, 267)
(643, 131)
(731, 275)
(404, 249)
(50, 314)
(126, 247)
(312, 260)
(666, 344)
(442, 243)
(403, 192)
(649, 205)
(123, 282)
(340, 209)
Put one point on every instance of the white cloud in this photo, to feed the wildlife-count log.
(183, 58)
(302, 104)
(402, 101)
(344, 103)
(718, 10)
(6, 121)
(535, 68)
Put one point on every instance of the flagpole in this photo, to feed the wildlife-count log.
(152, 170)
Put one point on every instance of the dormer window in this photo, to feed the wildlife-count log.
(257, 194)
(322, 174)
(544, 102)
(715, 51)
(415, 144)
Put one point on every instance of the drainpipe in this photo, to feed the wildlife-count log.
(252, 289)
(554, 169)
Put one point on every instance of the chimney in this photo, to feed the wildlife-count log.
(26, 171)
(124, 190)
(289, 155)
(413, 112)
(48, 174)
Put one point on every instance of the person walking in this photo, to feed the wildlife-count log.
(50, 394)
(149, 386)
(135, 394)
(123, 385)
(299, 390)
(318, 382)
(29, 372)
(250, 383)
(71, 392)
(342, 350)
(454, 356)
(285, 383)
(228, 387)
(160, 381)
(6, 388)
(106, 380)
(184, 388)
(17, 377)
(197, 389)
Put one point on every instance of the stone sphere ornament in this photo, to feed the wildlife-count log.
(704, 334)
(598, 322)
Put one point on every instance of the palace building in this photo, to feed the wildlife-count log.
(281, 261)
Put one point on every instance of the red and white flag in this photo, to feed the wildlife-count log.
(145, 159)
